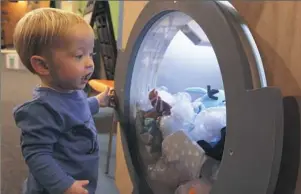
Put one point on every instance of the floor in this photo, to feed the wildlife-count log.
(106, 183)
(16, 87)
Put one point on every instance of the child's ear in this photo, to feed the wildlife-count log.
(39, 64)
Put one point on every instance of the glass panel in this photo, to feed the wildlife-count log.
(178, 106)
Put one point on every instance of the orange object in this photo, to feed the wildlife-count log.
(101, 85)
(192, 191)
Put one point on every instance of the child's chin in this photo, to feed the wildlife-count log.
(82, 86)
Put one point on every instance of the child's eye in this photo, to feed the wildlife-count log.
(79, 56)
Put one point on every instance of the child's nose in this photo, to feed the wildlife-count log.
(89, 64)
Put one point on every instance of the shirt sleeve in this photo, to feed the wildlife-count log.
(40, 131)
(93, 104)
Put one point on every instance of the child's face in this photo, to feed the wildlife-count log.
(72, 63)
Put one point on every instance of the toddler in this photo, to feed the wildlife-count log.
(58, 134)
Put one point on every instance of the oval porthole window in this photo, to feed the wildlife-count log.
(177, 88)
(190, 72)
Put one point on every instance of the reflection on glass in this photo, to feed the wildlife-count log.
(260, 69)
(178, 106)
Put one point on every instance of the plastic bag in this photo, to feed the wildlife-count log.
(182, 96)
(177, 147)
(171, 174)
(181, 117)
(143, 105)
(183, 109)
(197, 186)
(165, 95)
(169, 125)
(198, 106)
(208, 124)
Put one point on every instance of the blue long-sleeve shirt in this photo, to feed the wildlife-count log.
(58, 140)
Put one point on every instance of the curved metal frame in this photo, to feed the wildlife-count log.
(253, 146)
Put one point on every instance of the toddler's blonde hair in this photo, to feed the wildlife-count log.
(36, 31)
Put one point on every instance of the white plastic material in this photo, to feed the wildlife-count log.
(165, 95)
(169, 125)
(198, 106)
(208, 124)
(144, 104)
(182, 115)
(183, 108)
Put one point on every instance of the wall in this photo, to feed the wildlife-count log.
(67, 5)
(79, 5)
(131, 12)
(114, 8)
(276, 29)
(15, 12)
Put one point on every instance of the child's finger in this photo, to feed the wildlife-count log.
(83, 182)
(82, 191)
(85, 191)
(107, 90)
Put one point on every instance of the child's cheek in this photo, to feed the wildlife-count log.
(71, 73)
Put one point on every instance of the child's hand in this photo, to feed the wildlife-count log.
(104, 97)
(78, 188)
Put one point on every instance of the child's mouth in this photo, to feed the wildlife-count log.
(86, 77)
